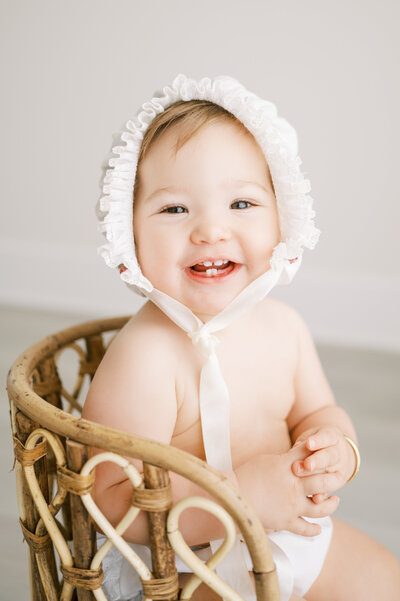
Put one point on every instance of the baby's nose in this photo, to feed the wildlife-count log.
(210, 231)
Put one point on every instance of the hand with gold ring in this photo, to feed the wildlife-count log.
(333, 460)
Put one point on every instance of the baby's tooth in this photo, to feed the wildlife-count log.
(219, 262)
(211, 272)
(207, 263)
(225, 261)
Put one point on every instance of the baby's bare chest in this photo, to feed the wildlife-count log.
(259, 373)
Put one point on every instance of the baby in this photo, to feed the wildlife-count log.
(221, 215)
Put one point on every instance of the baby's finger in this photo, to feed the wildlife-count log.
(298, 452)
(321, 460)
(322, 509)
(321, 483)
(304, 528)
(318, 498)
(325, 437)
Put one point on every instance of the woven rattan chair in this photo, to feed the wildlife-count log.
(55, 475)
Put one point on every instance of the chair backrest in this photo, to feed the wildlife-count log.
(55, 475)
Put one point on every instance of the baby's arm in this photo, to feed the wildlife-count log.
(318, 423)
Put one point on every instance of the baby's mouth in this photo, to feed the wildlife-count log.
(213, 268)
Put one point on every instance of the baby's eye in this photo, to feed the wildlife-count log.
(241, 204)
(174, 209)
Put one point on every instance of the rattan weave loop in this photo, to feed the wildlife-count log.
(73, 482)
(161, 589)
(48, 386)
(36, 543)
(89, 580)
(27, 457)
(152, 499)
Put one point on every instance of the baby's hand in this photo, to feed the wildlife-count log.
(281, 499)
(329, 464)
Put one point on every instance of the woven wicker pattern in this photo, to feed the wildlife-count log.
(157, 499)
(55, 476)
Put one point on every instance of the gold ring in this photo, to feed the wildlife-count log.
(357, 456)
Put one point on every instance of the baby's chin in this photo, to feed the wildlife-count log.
(207, 312)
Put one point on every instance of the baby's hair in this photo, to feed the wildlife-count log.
(191, 115)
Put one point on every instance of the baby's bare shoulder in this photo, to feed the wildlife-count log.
(148, 330)
(284, 316)
(149, 337)
(136, 379)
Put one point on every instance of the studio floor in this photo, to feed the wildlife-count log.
(366, 383)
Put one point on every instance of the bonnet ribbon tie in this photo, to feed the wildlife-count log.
(214, 402)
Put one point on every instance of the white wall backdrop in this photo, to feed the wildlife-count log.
(73, 72)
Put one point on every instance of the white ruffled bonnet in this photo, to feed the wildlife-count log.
(277, 139)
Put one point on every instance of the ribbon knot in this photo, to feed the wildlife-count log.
(204, 340)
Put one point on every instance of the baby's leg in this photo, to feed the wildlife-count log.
(356, 567)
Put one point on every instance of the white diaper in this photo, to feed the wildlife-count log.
(298, 561)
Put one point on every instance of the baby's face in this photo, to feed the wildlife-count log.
(205, 221)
